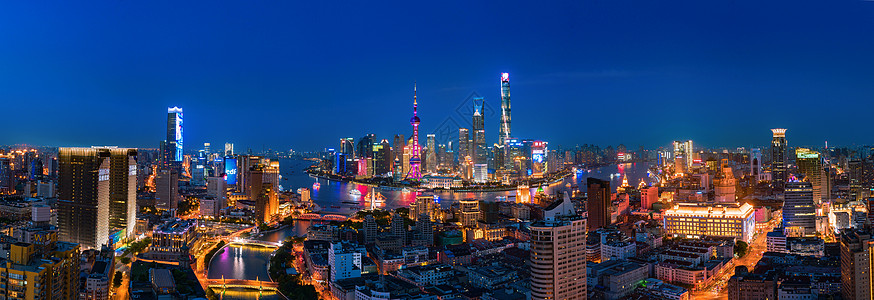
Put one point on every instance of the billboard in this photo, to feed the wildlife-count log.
(178, 150)
(231, 170)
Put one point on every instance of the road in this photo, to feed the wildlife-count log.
(754, 253)
(307, 278)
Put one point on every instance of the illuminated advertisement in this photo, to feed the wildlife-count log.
(116, 237)
(178, 136)
(176, 119)
(231, 170)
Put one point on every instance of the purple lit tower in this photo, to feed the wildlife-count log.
(415, 172)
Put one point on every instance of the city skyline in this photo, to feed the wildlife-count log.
(681, 76)
(633, 161)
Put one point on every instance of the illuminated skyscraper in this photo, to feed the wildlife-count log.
(799, 213)
(83, 196)
(810, 164)
(382, 158)
(173, 148)
(463, 144)
(505, 108)
(685, 151)
(778, 157)
(431, 154)
(415, 172)
(479, 153)
(229, 149)
(397, 153)
(266, 203)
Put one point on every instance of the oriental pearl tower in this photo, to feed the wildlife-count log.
(415, 172)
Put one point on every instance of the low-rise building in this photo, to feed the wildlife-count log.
(490, 277)
(171, 240)
(427, 275)
(323, 232)
(658, 289)
(615, 279)
(618, 250)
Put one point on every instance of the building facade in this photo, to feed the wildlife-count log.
(558, 254)
(697, 220)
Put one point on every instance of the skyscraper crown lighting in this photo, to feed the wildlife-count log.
(779, 132)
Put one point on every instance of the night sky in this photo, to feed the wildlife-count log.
(302, 74)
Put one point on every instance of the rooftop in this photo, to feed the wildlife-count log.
(711, 210)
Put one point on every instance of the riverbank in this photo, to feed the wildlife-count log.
(385, 183)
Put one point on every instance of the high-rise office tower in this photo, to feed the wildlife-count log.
(514, 155)
(415, 172)
(756, 164)
(810, 164)
(347, 147)
(799, 212)
(498, 153)
(7, 184)
(122, 188)
(173, 147)
(229, 149)
(431, 153)
(206, 148)
(778, 157)
(856, 175)
(598, 203)
(397, 150)
(558, 253)
(684, 149)
(266, 203)
(217, 188)
(857, 250)
(83, 196)
(480, 155)
(244, 164)
(504, 132)
(365, 146)
(463, 144)
(167, 189)
(382, 158)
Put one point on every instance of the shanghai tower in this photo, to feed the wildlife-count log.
(505, 108)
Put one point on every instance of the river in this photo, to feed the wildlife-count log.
(250, 263)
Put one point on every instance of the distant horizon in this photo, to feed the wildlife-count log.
(632, 147)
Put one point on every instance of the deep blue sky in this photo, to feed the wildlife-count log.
(301, 74)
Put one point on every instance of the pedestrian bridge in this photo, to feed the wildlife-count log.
(242, 283)
(248, 242)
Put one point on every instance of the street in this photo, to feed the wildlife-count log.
(754, 254)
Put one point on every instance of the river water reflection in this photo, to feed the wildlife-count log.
(250, 263)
